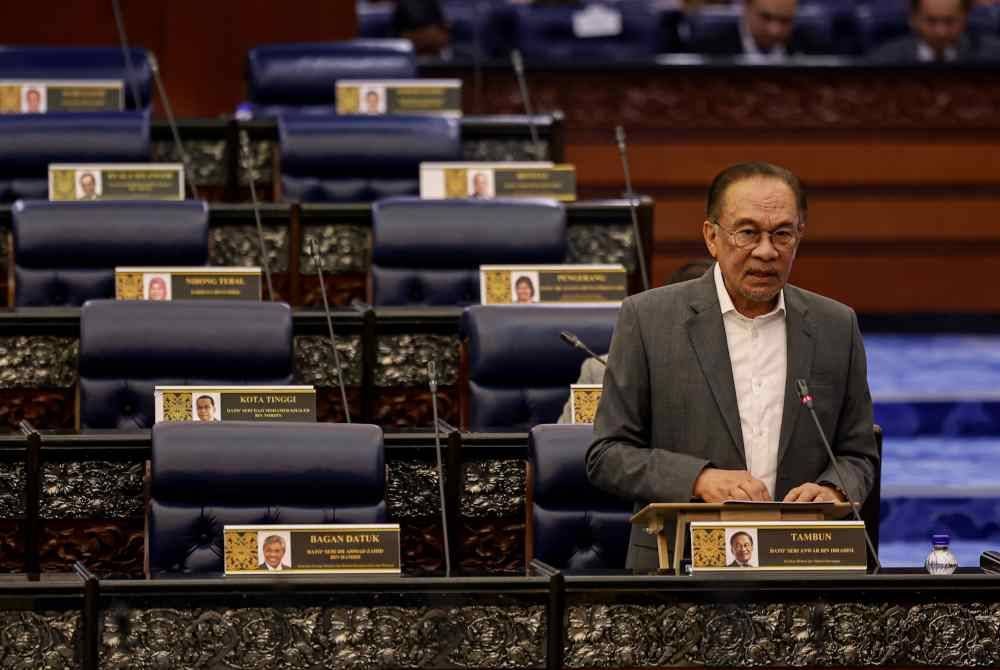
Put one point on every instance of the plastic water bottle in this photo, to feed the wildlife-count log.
(940, 561)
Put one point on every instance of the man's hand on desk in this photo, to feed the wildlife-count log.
(810, 492)
(714, 485)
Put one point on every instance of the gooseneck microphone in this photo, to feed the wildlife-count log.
(807, 402)
(329, 324)
(432, 383)
(575, 342)
(522, 84)
(640, 251)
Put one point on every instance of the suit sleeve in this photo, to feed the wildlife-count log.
(621, 459)
(854, 442)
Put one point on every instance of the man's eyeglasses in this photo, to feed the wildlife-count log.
(748, 237)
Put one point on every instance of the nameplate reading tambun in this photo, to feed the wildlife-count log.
(191, 283)
(116, 181)
(775, 546)
(568, 285)
(41, 96)
(583, 399)
(420, 97)
(304, 549)
(234, 403)
(497, 180)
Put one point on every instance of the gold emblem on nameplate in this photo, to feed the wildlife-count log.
(240, 550)
(63, 185)
(585, 404)
(176, 406)
(498, 287)
(128, 286)
(10, 99)
(348, 100)
(456, 183)
(708, 548)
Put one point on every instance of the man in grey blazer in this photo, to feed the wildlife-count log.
(699, 400)
(939, 35)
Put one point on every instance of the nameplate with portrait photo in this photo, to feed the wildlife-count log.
(305, 549)
(116, 181)
(583, 400)
(420, 97)
(482, 181)
(210, 404)
(189, 283)
(774, 546)
(74, 95)
(570, 285)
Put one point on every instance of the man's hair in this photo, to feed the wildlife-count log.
(966, 6)
(743, 171)
(526, 280)
(88, 174)
(211, 400)
(732, 539)
(274, 539)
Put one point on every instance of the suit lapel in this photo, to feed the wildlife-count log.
(708, 339)
(799, 363)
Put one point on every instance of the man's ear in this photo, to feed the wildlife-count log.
(711, 234)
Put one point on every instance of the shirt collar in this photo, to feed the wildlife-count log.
(726, 301)
(926, 55)
(750, 48)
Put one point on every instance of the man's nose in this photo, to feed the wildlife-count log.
(766, 248)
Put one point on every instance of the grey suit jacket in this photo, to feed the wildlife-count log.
(669, 405)
(970, 49)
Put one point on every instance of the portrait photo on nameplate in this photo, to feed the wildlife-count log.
(774, 546)
(568, 285)
(188, 283)
(116, 181)
(311, 549)
(42, 96)
(234, 403)
(415, 97)
(536, 179)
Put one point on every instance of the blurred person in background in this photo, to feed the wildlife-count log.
(766, 31)
(939, 35)
(423, 23)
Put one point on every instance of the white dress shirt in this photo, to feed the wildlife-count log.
(927, 55)
(758, 351)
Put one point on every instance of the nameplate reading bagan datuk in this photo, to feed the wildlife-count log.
(116, 181)
(771, 546)
(234, 403)
(74, 95)
(583, 399)
(195, 283)
(304, 549)
(497, 180)
(573, 285)
(430, 97)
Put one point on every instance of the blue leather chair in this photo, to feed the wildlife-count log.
(428, 252)
(545, 34)
(65, 253)
(375, 20)
(34, 63)
(30, 142)
(519, 370)
(128, 347)
(572, 525)
(303, 77)
(333, 158)
(204, 477)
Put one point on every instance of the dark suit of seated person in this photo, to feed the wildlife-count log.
(766, 32)
(940, 35)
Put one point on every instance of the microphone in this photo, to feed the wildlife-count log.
(807, 402)
(640, 252)
(246, 159)
(329, 325)
(432, 383)
(574, 341)
(522, 84)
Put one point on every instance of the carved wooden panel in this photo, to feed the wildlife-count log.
(51, 409)
(408, 407)
(109, 549)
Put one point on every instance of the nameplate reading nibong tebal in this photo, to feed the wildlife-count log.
(116, 181)
(234, 403)
(497, 180)
(197, 283)
(583, 400)
(305, 549)
(772, 546)
(575, 285)
(74, 95)
(430, 97)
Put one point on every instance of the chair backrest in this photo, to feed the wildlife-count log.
(303, 77)
(547, 34)
(107, 63)
(128, 347)
(65, 253)
(519, 369)
(572, 525)
(204, 477)
(30, 142)
(427, 252)
(329, 158)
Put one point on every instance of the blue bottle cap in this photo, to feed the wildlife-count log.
(940, 538)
